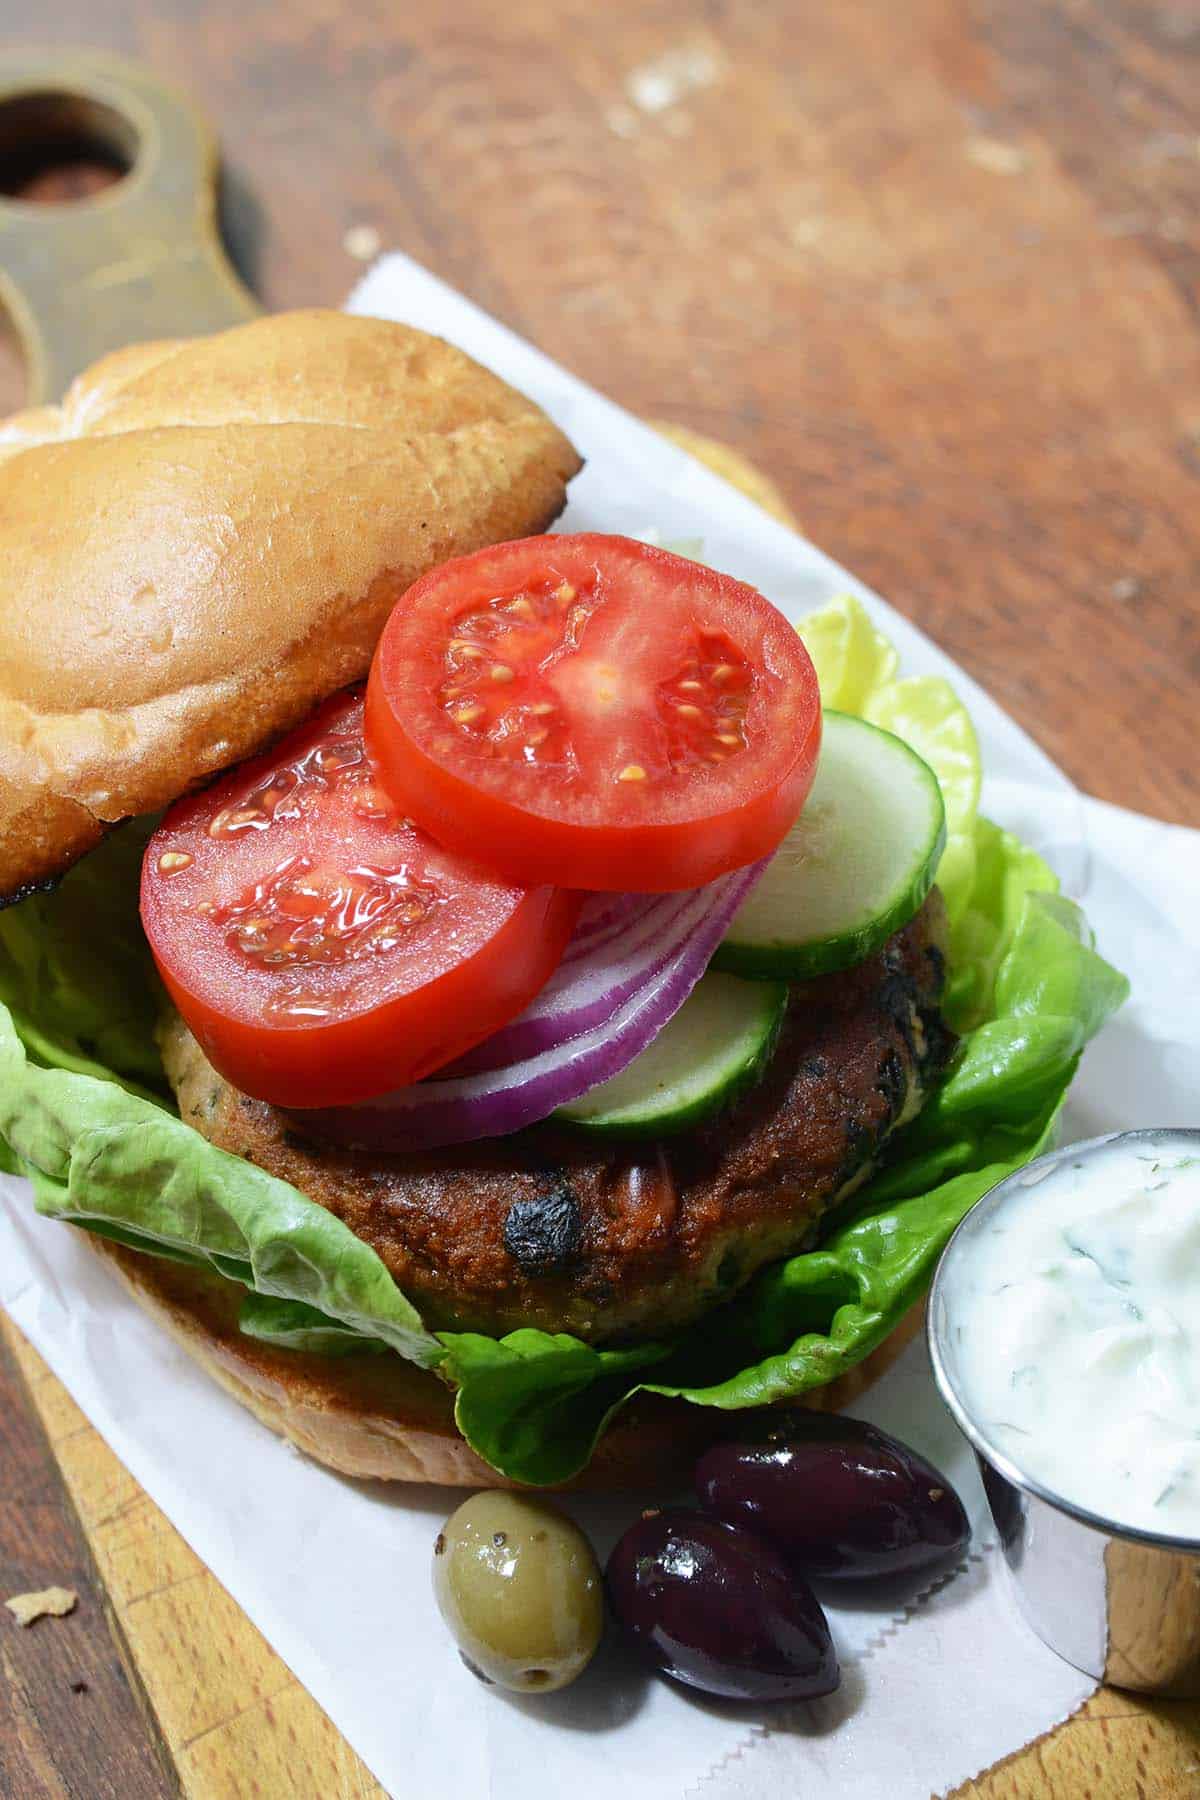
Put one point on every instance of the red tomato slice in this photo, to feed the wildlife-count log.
(320, 947)
(594, 712)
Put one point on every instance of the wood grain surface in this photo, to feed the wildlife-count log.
(224, 1717)
(71, 1721)
(934, 267)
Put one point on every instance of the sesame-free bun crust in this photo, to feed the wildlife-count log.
(205, 539)
(383, 1418)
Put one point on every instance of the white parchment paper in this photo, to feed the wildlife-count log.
(336, 1573)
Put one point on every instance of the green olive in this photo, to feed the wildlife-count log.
(519, 1586)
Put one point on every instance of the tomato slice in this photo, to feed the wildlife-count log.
(594, 712)
(323, 949)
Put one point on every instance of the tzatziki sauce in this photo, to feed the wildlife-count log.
(1075, 1329)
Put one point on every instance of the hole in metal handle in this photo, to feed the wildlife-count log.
(109, 229)
(57, 148)
(14, 374)
(62, 148)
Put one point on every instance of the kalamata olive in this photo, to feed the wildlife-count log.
(719, 1608)
(519, 1586)
(839, 1496)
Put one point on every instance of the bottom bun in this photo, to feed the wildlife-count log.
(383, 1418)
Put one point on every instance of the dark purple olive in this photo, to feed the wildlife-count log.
(840, 1497)
(719, 1608)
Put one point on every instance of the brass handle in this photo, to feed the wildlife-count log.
(141, 259)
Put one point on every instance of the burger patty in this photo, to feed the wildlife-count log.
(617, 1239)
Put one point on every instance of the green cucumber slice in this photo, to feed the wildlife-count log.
(716, 1045)
(855, 866)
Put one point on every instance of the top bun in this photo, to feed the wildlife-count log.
(205, 539)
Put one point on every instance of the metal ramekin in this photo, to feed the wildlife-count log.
(1122, 1605)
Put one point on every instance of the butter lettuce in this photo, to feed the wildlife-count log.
(75, 974)
(85, 1111)
(810, 1318)
(119, 1161)
(291, 1325)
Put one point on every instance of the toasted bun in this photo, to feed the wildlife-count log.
(205, 539)
(383, 1418)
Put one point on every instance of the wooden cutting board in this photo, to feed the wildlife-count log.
(139, 260)
(136, 260)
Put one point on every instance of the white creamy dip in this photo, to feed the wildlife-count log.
(1074, 1330)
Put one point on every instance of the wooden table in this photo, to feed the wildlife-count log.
(934, 265)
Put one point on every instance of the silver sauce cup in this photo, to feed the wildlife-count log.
(1122, 1605)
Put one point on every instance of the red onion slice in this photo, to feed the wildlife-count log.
(611, 995)
(600, 970)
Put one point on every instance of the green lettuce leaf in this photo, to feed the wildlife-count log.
(84, 1110)
(291, 1325)
(537, 1402)
(75, 974)
(808, 1319)
(126, 1166)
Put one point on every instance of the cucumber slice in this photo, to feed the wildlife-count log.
(716, 1045)
(855, 866)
